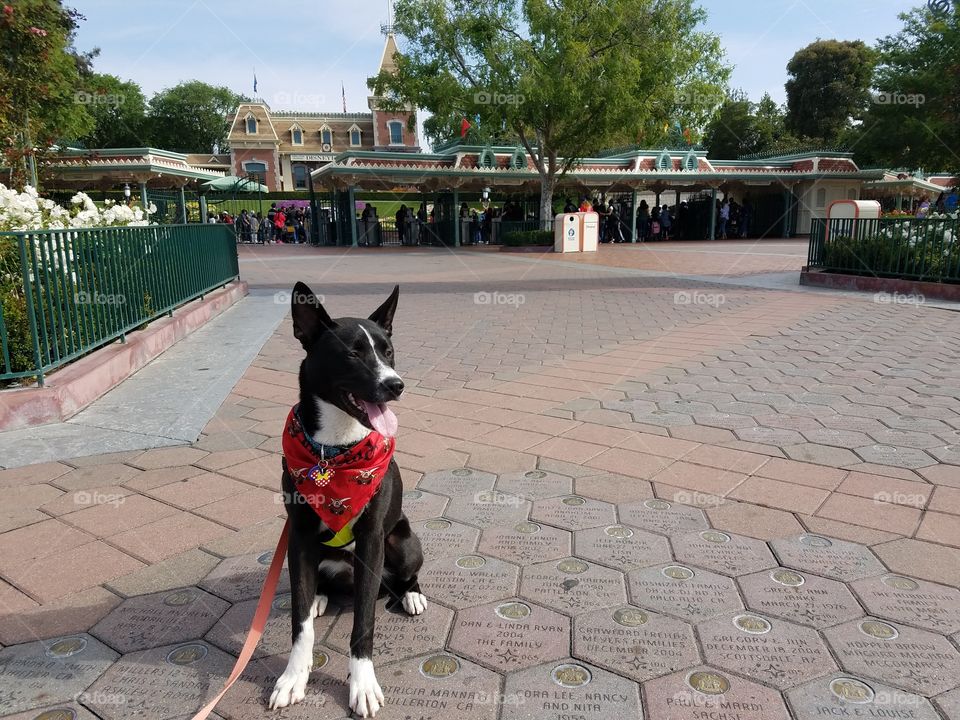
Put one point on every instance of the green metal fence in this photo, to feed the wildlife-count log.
(910, 248)
(64, 293)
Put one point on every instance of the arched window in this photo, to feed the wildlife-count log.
(691, 162)
(519, 160)
(256, 168)
(664, 162)
(396, 132)
(356, 136)
(251, 125)
(326, 135)
(296, 135)
(299, 176)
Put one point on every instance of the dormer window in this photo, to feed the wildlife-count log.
(326, 135)
(251, 125)
(396, 132)
(356, 136)
(296, 135)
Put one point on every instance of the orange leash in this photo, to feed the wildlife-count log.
(259, 620)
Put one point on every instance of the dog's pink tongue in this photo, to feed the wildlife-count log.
(382, 418)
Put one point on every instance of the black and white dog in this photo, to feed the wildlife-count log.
(346, 380)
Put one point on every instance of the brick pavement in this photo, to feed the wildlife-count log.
(635, 492)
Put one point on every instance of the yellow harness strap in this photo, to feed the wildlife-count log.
(342, 538)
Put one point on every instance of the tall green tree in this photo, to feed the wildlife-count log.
(914, 120)
(567, 78)
(39, 76)
(119, 112)
(192, 116)
(828, 88)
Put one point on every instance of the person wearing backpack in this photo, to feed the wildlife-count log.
(655, 223)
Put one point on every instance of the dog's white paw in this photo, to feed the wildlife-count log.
(291, 687)
(414, 603)
(366, 697)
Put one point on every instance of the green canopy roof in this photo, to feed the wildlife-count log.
(232, 183)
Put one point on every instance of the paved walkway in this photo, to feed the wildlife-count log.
(640, 495)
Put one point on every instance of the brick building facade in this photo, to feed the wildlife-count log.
(284, 147)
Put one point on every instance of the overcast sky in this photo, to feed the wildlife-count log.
(304, 49)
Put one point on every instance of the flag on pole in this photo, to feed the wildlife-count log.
(343, 93)
(254, 81)
(464, 127)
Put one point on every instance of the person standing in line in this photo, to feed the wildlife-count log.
(724, 218)
(666, 222)
(279, 223)
(643, 221)
(254, 227)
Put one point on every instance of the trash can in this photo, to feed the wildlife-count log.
(567, 228)
(590, 232)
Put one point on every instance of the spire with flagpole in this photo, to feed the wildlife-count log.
(254, 82)
(343, 93)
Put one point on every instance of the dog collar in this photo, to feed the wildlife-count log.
(338, 488)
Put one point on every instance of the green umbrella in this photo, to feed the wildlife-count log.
(232, 183)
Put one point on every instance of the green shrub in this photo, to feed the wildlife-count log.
(13, 307)
(528, 238)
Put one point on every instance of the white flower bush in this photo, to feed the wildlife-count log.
(25, 211)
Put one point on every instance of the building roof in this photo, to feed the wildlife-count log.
(461, 165)
(128, 165)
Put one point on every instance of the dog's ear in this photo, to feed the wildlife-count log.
(310, 319)
(383, 315)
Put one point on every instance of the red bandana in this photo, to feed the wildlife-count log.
(340, 487)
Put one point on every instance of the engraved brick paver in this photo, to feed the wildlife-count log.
(912, 659)
(535, 484)
(723, 552)
(441, 538)
(140, 685)
(423, 505)
(800, 597)
(574, 512)
(525, 542)
(572, 585)
(41, 673)
(913, 602)
(686, 592)
(552, 691)
(488, 508)
(439, 686)
(510, 635)
(705, 692)
(832, 558)
(775, 651)
(468, 580)
(845, 695)
(457, 482)
(159, 619)
(621, 547)
(663, 517)
(399, 635)
(241, 577)
(634, 642)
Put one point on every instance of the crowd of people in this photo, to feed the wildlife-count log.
(282, 224)
(662, 222)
